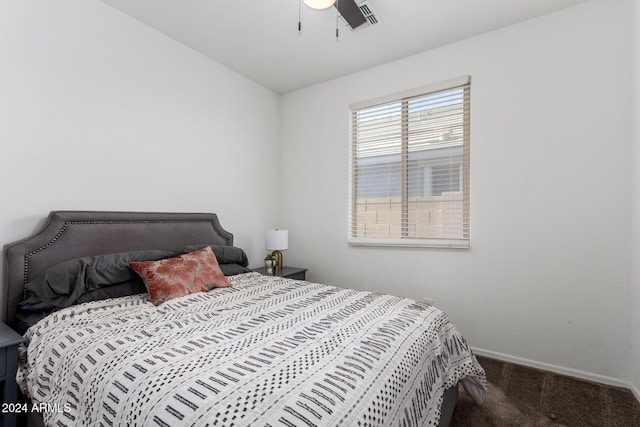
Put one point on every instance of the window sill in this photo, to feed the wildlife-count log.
(412, 243)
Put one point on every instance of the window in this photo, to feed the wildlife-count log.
(410, 168)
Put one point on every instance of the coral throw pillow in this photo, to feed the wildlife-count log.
(176, 277)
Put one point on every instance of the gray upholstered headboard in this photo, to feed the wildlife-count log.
(73, 234)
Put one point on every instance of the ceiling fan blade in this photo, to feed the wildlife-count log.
(351, 13)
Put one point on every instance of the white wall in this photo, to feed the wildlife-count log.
(634, 305)
(547, 277)
(100, 112)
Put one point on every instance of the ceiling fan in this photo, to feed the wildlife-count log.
(348, 9)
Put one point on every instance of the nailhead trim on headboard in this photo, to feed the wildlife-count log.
(27, 256)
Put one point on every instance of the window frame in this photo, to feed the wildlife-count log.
(434, 242)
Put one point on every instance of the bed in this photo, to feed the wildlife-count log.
(264, 351)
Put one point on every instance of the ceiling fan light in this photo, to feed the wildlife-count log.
(319, 4)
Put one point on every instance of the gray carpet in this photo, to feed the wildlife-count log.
(522, 396)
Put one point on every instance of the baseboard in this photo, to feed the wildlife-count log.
(603, 379)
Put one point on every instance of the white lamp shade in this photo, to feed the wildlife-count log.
(319, 4)
(277, 240)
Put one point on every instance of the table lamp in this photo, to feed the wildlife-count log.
(276, 241)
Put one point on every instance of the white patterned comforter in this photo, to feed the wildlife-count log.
(266, 352)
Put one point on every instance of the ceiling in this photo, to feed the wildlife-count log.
(260, 39)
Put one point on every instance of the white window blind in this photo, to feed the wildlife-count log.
(410, 168)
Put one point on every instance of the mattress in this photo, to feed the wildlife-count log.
(267, 351)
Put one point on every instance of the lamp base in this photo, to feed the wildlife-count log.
(278, 256)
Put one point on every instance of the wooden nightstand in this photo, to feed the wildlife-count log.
(9, 340)
(296, 273)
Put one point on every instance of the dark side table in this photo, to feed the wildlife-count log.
(296, 273)
(9, 340)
